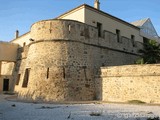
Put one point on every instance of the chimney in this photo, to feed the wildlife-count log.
(97, 4)
(16, 34)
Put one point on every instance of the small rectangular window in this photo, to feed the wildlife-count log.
(18, 79)
(47, 73)
(64, 73)
(145, 40)
(99, 27)
(26, 77)
(69, 28)
(118, 35)
(24, 44)
(133, 40)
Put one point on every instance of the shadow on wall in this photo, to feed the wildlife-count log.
(98, 86)
(17, 75)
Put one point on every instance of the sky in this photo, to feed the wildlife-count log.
(21, 14)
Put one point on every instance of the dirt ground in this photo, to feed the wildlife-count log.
(11, 109)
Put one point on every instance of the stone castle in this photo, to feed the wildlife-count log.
(60, 59)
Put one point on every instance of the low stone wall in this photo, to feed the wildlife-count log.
(131, 82)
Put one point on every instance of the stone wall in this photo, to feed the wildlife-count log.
(19, 70)
(7, 73)
(22, 40)
(131, 82)
(64, 59)
(8, 51)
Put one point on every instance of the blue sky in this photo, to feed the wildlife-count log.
(21, 14)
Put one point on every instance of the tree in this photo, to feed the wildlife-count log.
(150, 53)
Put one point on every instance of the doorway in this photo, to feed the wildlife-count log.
(5, 84)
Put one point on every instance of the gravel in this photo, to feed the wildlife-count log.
(12, 110)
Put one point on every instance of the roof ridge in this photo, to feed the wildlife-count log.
(100, 11)
(140, 22)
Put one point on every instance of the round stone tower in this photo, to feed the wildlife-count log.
(60, 61)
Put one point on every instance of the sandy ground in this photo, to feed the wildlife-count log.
(12, 110)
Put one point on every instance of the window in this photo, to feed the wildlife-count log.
(118, 35)
(47, 73)
(26, 77)
(24, 44)
(64, 74)
(99, 26)
(18, 78)
(69, 28)
(133, 40)
(145, 40)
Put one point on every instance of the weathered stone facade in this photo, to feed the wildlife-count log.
(60, 60)
(64, 59)
(128, 83)
(7, 73)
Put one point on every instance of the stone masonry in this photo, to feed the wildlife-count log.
(64, 59)
(130, 82)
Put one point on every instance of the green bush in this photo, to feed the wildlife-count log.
(155, 118)
(150, 53)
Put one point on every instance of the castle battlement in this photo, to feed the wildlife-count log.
(74, 31)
